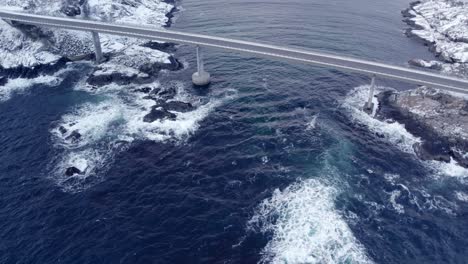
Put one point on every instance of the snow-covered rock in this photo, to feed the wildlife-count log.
(443, 26)
(440, 119)
(137, 64)
(29, 46)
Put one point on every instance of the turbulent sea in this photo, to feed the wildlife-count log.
(278, 164)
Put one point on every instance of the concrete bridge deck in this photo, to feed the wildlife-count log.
(344, 63)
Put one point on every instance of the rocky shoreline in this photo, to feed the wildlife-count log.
(439, 119)
(442, 26)
(80, 47)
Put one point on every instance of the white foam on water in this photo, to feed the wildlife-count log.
(306, 227)
(160, 130)
(313, 123)
(111, 124)
(91, 121)
(419, 196)
(82, 160)
(396, 206)
(451, 169)
(462, 196)
(395, 132)
(439, 203)
(20, 85)
(87, 161)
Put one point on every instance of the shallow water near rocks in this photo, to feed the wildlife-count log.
(277, 165)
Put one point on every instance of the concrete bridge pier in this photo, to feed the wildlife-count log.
(201, 77)
(369, 105)
(97, 47)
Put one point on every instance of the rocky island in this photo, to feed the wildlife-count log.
(440, 119)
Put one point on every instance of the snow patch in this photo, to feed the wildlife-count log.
(17, 49)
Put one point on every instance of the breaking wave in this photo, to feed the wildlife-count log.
(306, 227)
(416, 197)
(21, 85)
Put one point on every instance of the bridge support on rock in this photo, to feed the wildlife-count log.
(369, 105)
(9, 22)
(97, 47)
(201, 77)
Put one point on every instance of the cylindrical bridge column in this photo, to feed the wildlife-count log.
(97, 47)
(200, 67)
(201, 77)
(369, 105)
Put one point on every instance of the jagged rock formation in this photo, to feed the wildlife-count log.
(443, 27)
(440, 119)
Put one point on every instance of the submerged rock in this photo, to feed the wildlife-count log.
(3, 81)
(74, 136)
(72, 171)
(440, 119)
(62, 130)
(158, 113)
(178, 106)
(145, 90)
(167, 93)
(160, 95)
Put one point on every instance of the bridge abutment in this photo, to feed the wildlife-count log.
(201, 77)
(9, 22)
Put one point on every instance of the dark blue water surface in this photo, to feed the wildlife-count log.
(198, 200)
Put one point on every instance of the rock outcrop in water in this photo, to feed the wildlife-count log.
(163, 110)
(136, 64)
(158, 113)
(72, 171)
(440, 119)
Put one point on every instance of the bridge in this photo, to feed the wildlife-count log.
(201, 77)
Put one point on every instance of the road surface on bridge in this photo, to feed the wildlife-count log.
(344, 63)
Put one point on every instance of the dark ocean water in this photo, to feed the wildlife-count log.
(285, 170)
